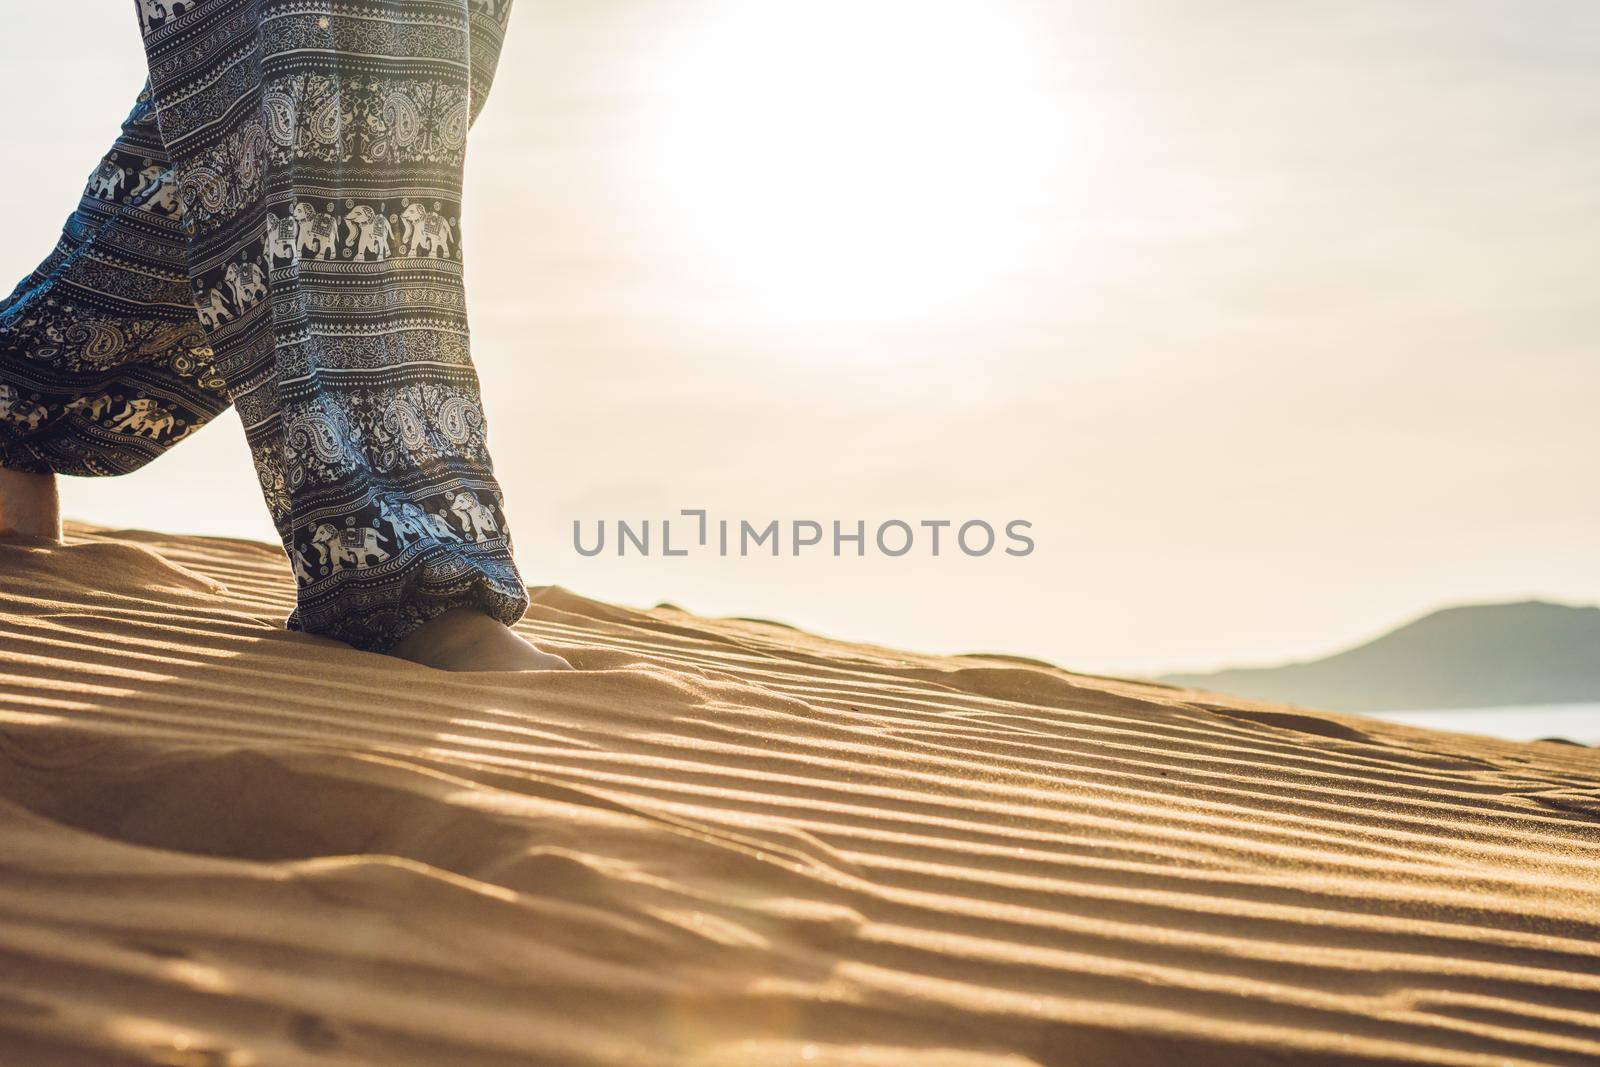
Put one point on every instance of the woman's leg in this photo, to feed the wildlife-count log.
(103, 364)
(29, 505)
(318, 149)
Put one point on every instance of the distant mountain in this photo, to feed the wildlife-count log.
(1479, 655)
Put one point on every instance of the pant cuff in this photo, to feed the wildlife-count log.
(375, 612)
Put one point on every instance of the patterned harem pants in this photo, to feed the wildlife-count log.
(278, 227)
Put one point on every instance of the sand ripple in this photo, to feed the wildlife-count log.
(729, 843)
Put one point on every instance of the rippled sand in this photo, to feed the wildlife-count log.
(725, 842)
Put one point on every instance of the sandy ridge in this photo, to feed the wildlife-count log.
(730, 842)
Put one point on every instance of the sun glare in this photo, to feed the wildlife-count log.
(847, 163)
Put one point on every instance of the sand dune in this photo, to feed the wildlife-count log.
(725, 842)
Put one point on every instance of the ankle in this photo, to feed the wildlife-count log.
(448, 632)
(30, 505)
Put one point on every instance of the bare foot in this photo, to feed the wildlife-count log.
(29, 505)
(465, 639)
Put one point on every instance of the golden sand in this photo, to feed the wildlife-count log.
(731, 843)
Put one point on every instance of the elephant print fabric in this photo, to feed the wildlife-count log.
(277, 228)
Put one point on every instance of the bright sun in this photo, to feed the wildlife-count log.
(852, 162)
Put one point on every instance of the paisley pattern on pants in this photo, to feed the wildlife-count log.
(278, 228)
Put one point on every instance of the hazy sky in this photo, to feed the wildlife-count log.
(1277, 320)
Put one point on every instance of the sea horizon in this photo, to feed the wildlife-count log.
(1525, 722)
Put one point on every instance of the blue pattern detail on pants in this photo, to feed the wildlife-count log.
(278, 228)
